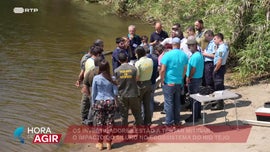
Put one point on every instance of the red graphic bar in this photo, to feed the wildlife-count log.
(160, 134)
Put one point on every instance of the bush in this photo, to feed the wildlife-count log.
(244, 23)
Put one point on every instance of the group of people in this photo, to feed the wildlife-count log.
(177, 62)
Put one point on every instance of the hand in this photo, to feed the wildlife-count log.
(77, 83)
(204, 52)
(153, 43)
(131, 37)
(85, 90)
(187, 80)
(162, 82)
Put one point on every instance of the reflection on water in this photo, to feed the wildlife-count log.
(39, 63)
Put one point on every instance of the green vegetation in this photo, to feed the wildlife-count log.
(245, 24)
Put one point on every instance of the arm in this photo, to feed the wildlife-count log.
(85, 90)
(80, 78)
(82, 65)
(94, 91)
(184, 72)
(185, 67)
(115, 60)
(132, 40)
(153, 43)
(151, 38)
(87, 82)
(218, 65)
(192, 71)
(208, 55)
(164, 42)
(138, 71)
(162, 73)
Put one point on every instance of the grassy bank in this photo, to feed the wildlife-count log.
(245, 24)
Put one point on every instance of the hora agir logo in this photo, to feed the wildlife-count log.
(38, 135)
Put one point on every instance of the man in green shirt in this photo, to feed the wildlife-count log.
(144, 67)
(200, 34)
(127, 90)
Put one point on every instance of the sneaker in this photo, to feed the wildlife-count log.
(166, 124)
(163, 123)
(216, 108)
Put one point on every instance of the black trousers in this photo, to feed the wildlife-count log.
(219, 84)
(219, 78)
(208, 74)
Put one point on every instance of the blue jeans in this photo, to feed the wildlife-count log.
(145, 97)
(193, 87)
(153, 89)
(172, 103)
(152, 106)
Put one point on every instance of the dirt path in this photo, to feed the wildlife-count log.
(252, 97)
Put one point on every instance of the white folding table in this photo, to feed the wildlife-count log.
(217, 95)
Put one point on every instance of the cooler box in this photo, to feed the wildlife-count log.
(263, 114)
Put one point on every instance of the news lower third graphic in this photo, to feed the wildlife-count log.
(18, 134)
(21, 10)
(150, 134)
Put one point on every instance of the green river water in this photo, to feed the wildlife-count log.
(39, 64)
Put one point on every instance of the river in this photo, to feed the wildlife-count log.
(39, 64)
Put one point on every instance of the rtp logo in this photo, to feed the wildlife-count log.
(18, 134)
(21, 10)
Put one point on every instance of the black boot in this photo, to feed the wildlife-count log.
(218, 106)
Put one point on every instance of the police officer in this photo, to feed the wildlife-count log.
(220, 59)
(208, 54)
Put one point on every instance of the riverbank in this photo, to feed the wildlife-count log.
(252, 97)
